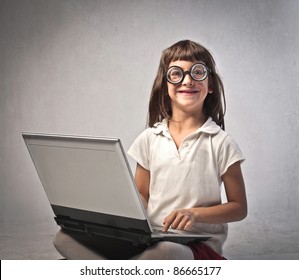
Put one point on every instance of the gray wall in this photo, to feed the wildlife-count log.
(86, 67)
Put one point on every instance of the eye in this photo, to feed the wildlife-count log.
(199, 71)
(174, 74)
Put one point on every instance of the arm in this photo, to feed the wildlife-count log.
(234, 209)
(142, 179)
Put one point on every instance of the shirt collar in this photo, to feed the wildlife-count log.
(209, 127)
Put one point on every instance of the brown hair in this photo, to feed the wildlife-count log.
(160, 104)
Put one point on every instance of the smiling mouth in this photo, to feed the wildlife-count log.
(188, 92)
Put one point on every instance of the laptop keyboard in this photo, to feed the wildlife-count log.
(159, 231)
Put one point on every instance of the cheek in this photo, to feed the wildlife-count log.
(170, 88)
(206, 87)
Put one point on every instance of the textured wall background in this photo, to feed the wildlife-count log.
(86, 67)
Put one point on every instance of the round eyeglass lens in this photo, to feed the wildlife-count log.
(199, 72)
(174, 74)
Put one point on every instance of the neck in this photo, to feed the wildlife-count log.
(182, 122)
(180, 128)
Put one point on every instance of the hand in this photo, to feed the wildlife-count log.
(181, 219)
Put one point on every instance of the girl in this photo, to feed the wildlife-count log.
(185, 155)
(183, 158)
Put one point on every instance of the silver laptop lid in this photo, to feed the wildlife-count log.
(86, 173)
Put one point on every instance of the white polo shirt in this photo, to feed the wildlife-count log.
(186, 177)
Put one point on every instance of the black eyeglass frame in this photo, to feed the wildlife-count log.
(184, 73)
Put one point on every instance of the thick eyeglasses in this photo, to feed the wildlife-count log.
(176, 74)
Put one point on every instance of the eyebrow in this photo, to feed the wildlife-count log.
(188, 61)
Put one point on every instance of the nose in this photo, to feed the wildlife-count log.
(187, 80)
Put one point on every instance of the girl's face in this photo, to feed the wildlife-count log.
(189, 95)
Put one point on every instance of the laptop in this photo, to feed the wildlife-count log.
(91, 188)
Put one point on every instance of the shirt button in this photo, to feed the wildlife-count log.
(187, 144)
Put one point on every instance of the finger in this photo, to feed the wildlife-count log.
(177, 221)
(169, 220)
(166, 226)
(188, 225)
(185, 220)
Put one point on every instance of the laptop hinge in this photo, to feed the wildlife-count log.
(137, 237)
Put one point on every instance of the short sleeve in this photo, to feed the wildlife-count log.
(229, 154)
(139, 150)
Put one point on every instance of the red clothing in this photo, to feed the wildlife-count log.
(204, 252)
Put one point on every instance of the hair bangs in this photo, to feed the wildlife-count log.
(186, 50)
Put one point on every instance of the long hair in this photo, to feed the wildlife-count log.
(160, 103)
